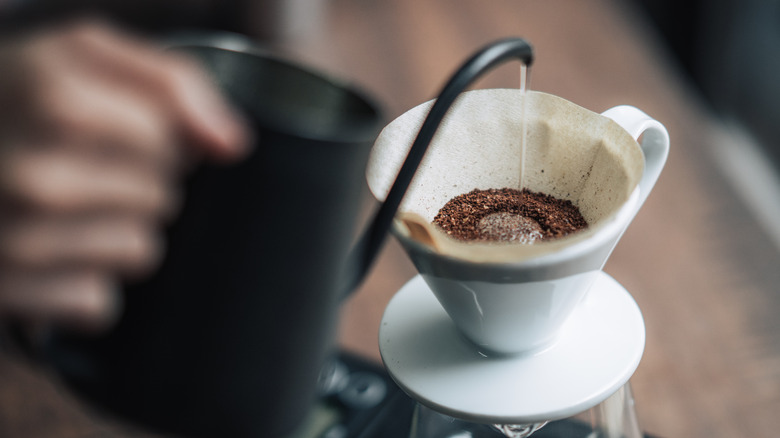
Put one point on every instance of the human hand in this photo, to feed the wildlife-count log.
(95, 129)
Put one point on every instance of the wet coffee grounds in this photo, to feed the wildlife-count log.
(508, 215)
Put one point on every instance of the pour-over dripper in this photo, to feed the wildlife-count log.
(514, 298)
(519, 311)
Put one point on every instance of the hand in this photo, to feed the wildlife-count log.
(95, 129)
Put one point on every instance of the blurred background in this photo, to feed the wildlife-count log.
(725, 50)
(701, 258)
(728, 50)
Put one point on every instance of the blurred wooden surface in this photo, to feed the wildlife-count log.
(703, 272)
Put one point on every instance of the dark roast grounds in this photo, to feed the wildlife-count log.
(508, 215)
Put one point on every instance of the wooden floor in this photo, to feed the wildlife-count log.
(702, 270)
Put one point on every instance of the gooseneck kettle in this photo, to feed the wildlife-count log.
(228, 337)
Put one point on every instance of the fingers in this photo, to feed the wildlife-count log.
(116, 244)
(69, 181)
(174, 83)
(84, 299)
(81, 111)
(92, 85)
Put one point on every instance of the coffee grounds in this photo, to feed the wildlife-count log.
(508, 215)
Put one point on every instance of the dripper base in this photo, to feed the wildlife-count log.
(596, 353)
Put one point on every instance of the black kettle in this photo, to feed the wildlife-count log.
(228, 337)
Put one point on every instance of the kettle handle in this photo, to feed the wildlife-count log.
(366, 249)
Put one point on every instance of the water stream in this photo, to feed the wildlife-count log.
(523, 87)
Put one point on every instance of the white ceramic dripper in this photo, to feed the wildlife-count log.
(514, 298)
(514, 335)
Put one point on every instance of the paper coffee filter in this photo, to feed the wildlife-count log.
(570, 153)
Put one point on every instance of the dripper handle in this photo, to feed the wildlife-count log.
(654, 144)
(365, 251)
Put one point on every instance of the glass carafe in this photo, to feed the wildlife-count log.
(615, 417)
